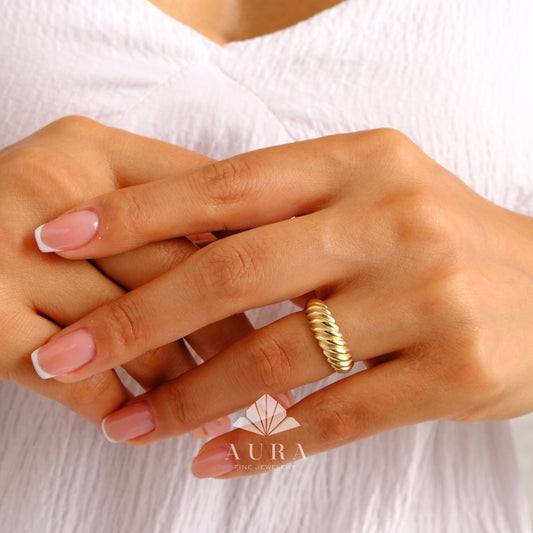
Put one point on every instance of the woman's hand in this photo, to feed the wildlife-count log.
(70, 161)
(431, 285)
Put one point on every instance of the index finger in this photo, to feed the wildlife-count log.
(245, 191)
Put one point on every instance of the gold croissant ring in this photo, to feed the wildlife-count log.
(327, 334)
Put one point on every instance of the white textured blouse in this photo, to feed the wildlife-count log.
(454, 75)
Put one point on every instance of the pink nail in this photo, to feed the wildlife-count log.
(212, 429)
(65, 354)
(213, 463)
(129, 422)
(67, 232)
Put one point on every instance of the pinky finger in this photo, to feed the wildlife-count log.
(365, 404)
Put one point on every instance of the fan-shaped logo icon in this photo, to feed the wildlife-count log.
(266, 417)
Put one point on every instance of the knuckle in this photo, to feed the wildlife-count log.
(38, 168)
(92, 391)
(389, 146)
(475, 376)
(132, 209)
(148, 367)
(123, 324)
(421, 225)
(465, 362)
(170, 253)
(229, 268)
(74, 126)
(183, 414)
(227, 181)
(335, 422)
(429, 217)
(271, 364)
(30, 162)
(38, 154)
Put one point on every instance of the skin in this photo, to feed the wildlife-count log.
(235, 20)
(69, 161)
(430, 284)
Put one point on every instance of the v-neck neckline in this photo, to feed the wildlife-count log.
(243, 43)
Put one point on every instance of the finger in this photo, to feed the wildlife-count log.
(137, 267)
(160, 365)
(91, 398)
(163, 364)
(135, 159)
(155, 259)
(169, 361)
(241, 272)
(214, 338)
(385, 397)
(242, 192)
(279, 357)
(73, 289)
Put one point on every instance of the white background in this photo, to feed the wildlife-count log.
(523, 434)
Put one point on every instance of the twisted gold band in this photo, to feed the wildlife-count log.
(327, 334)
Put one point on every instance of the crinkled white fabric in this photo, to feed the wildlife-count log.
(454, 75)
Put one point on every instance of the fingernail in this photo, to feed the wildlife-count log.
(65, 354)
(286, 399)
(67, 232)
(212, 429)
(129, 422)
(213, 463)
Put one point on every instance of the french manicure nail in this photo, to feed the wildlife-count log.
(65, 354)
(67, 232)
(213, 463)
(212, 429)
(129, 422)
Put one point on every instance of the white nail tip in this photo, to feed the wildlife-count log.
(35, 360)
(38, 239)
(105, 433)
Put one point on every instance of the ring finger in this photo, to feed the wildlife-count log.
(279, 357)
